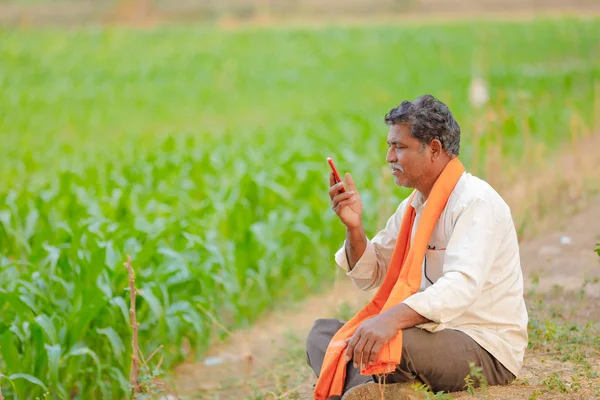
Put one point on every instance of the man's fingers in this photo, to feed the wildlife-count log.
(377, 345)
(345, 203)
(366, 353)
(350, 182)
(338, 198)
(351, 344)
(331, 179)
(339, 206)
(342, 197)
(358, 351)
(335, 189)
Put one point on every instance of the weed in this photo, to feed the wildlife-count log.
(474, 377)
(427, 394)
(553, 382)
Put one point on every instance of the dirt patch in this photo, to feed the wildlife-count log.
(274, 338)
(564, 258)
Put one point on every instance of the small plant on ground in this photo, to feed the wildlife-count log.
(425, 392)
(475, 376)
(553, 382)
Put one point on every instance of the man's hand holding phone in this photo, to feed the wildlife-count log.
(346, 203)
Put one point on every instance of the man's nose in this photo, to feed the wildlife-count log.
(391, 155)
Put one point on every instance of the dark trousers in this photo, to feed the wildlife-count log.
(440, 360)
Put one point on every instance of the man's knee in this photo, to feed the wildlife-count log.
(318, 339)
(322, 331)
(441, 359)
(311, 339)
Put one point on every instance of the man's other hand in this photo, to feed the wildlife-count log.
(369, 338)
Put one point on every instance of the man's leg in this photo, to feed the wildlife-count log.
(316, 346)
(441, 360)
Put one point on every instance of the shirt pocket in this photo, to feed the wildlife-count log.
(434, 264)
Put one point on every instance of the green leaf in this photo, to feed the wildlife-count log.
(112, 257)
(30, 222)
(48, 327)
(114, 339)
(53, 255)
(16, 303)
(29, 302)
(103, 283)
(117, 375)
(85, 351)
(24, 334)
(120, 303)
(29, 378)
(152, 301)
(54, 353)
(10, 354)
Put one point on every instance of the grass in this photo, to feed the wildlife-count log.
(201, 154)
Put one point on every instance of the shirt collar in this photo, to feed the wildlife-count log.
(418, 201)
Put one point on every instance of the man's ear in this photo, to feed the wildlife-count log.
(436, 149)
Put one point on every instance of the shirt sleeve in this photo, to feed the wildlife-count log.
(370, 270)
(469, 256)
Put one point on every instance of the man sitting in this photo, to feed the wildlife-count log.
(447, 267)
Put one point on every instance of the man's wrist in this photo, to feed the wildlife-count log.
(395, 316)
(404, 317)
(356, 243)
(355, 230)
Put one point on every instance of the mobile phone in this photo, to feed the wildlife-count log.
(336, 175)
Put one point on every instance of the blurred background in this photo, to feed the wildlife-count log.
(192, 136)
(149, 11)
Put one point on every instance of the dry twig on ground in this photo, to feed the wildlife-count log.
(135, 362)
(137, 356)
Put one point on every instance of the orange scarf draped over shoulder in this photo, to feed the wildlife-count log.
(403, 279)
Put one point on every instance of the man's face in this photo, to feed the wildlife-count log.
(406, 156)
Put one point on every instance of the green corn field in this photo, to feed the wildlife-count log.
(201, 153)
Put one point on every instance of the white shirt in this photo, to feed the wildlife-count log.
(472, 279)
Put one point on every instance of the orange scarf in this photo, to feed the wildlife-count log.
(403, 279)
